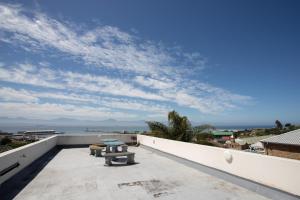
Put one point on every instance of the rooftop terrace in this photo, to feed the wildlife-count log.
(69, 172)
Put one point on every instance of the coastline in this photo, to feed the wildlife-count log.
(107, 129)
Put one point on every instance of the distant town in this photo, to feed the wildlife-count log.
(254, 140)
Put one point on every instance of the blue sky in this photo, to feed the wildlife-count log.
(224, 63)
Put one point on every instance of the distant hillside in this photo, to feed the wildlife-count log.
(5, 121)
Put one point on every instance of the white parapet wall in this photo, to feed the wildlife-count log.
(17, 159)
(93, 138)
(13, 161)
(280, 173)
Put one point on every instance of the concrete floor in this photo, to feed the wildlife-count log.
(74, 174)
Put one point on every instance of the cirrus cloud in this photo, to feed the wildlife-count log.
(129, 73)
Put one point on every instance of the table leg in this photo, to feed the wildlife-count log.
(107, 149)
(108, 161)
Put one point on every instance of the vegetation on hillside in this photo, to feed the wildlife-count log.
(205, 128)
(203, 135)
(277, 130)
(8, 144)
(179, 128)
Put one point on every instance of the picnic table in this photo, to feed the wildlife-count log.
(109, 140)
(113, 145)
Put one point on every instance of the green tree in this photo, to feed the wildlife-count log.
(287, 125)
(205, 128)
(204, 136)
(278, 124)
(179, 128)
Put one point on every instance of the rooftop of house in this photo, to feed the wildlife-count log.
(252, 140)
(60, 167)
(71, 173)
(222, 133)
(289, 138)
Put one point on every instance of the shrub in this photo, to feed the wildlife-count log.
(5, 141)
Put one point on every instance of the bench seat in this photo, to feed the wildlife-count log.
(100, 144)
(124, 147)
(110, 156)
(96, 150)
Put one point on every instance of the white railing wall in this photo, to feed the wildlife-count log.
(94, 138)
(280, 173)
(24, 156)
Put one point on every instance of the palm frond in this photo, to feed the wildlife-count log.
(158, 129)
(179, 128)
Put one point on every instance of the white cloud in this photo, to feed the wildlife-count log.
(49, 78)
(12, 95)
(135, 105)
(30, 76)
(51, 111)
(203, 97)
(107, 85)
(146, 70)
(104, 46)
(105, 103)
(154, 83)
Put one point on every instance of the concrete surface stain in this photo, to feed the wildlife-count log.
(154, 186)
(160, 194)
(226, 187)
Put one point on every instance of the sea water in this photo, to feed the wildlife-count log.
(105, 129)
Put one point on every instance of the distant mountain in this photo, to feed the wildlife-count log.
(5, 121)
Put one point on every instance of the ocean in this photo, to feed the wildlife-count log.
(106, 129)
